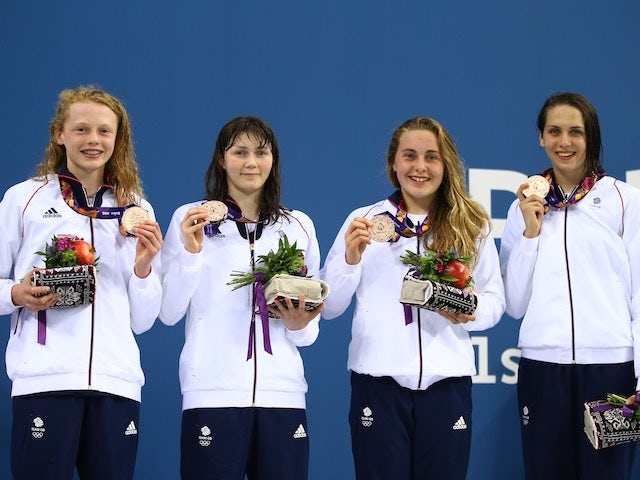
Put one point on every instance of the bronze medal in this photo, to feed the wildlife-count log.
(538, 185)
(133, 216)
(382, 228)
(217, 210)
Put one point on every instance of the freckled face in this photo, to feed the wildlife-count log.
(88, 136)
(419, 168)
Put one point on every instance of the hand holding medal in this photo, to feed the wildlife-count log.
(217, 213)
(536, 185)
(133, 217)
(148, 235)
(533, 205)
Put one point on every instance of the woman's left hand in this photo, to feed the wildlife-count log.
(457, 318)
(148, 245)
(294, 317)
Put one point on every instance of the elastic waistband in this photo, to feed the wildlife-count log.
(242, 398)
(582, 355)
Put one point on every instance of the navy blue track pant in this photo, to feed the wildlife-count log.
(227, 443)
(551, 400)
(403, 434)
(55, 434)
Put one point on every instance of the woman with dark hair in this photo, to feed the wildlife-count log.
(411, 368)
(242, 382)
(571, 268)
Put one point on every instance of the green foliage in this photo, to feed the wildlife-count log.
(431, 265)
(620, 401)
(61, 252)
(67, 258)
(287, 259)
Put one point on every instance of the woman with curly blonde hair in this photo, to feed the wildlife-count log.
(75, 371)
(411, 367)
(121, 168)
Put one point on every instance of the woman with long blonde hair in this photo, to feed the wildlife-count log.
(411, 367)
(72, 355)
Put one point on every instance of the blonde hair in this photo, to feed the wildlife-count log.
(121, 170)
(456, 221)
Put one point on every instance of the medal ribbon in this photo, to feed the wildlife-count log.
(556, 197)
(404, 229)
(212, 229)
(234, 213)
(403, 225)
(74, 195)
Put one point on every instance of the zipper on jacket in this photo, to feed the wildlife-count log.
(93, 312)
(251, 235)
(566, 259)
(421, 371)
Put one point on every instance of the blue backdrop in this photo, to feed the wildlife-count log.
(334, 78)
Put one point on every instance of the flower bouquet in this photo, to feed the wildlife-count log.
(283, 274)
(611, 422)
(436, 281)
(70, 270)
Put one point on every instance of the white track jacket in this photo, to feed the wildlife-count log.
(577, 284)
(430, 348)
(87, 348)
(214, 369)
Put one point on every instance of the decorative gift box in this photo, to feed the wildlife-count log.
(606, 425)
(74, 285)
(436, 296)
(283, 286)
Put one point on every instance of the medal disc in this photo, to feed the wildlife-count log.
(217, 210)
(382, 228)
(538, 185)
(133, 216)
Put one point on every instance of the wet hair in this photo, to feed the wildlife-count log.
(593, 162)
(121, 170)
(456, 221)
(216, 184)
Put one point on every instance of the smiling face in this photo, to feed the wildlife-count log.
(247, 163)
(88, 136)
(419, 168)
(564, 139)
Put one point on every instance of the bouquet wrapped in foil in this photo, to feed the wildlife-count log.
(73, 285)
(70, 270)
(611, 422)
(436, 296)
(283, 286)
(282, 274)
(436, 281)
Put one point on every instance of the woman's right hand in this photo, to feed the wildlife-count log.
(532, 208)
(192, 227)
(356, 240)
(32, 298)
